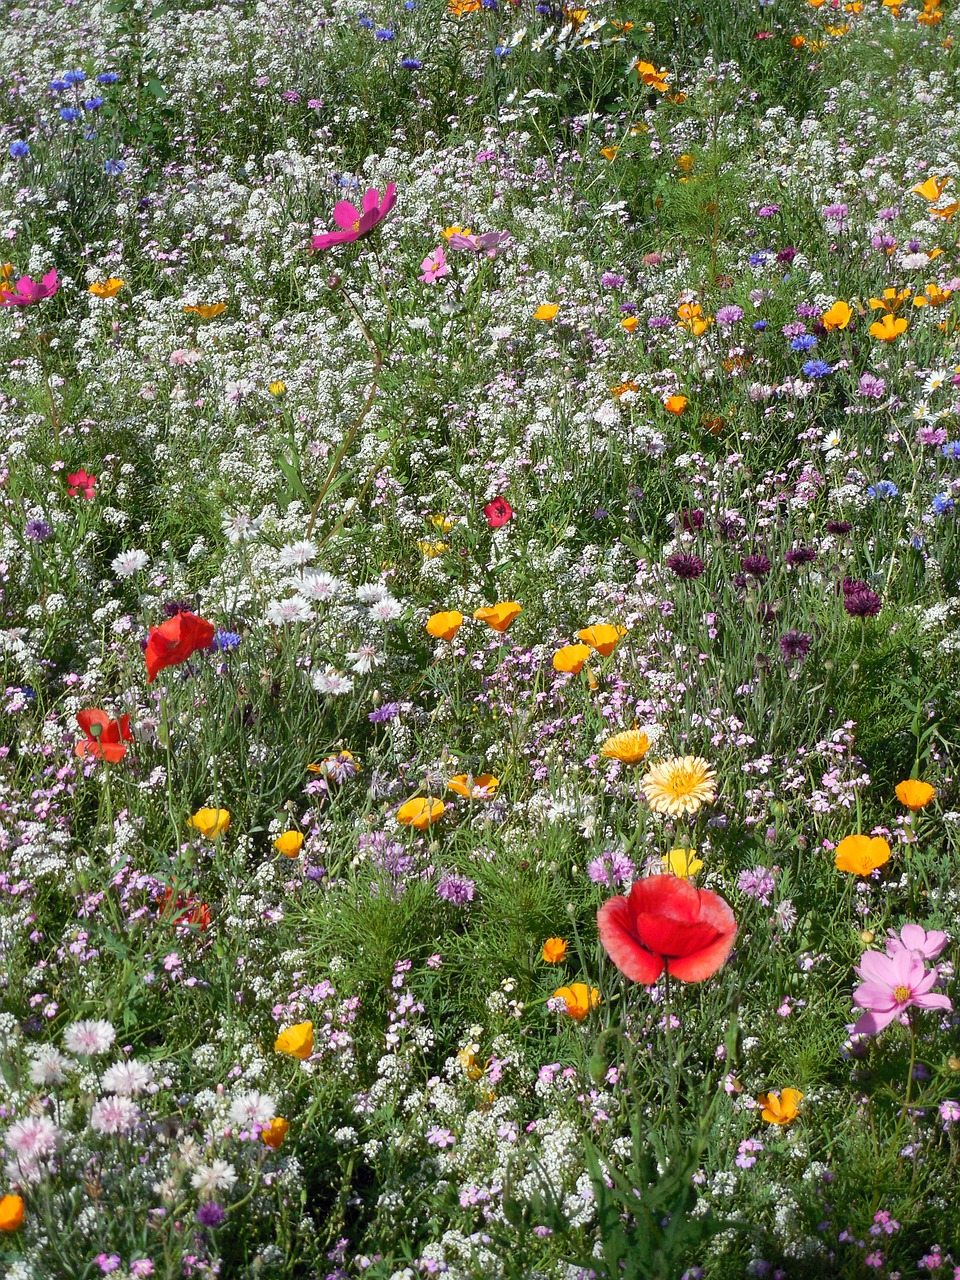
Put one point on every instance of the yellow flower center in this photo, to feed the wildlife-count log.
(901, 994)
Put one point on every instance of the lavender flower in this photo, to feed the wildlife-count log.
(38, 530)
(456, 889)
(758, 883)
(613, 868)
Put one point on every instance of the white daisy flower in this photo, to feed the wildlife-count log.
(284, 613)
(89, 1037)
(331, 682)
(127, 563)
(294, 554)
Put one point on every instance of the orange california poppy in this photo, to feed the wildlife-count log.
(571, 657)
(860, 854)
(420, 812)
(603, 637)
(889, 328)
(915, 794)
(780, 1108)
(275, 1132)
(579, 999)
(479, 787)
(837, 317)
(296, 1041)
(11, 1213)
(499, 616)
(675, 404)
(554, 951)
(444, 626)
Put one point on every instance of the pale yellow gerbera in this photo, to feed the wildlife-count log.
(680, 785)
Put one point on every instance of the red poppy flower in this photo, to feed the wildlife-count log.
(105, 738)
(175, 641)
(498, 512)
(185, 910)
(81, 484)
(667, 923)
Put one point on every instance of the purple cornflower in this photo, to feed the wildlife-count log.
(835, 212)
(610, 280)
(787, 255)
(37, 530)
(730, 314)
(871, 386)
(660, 322)
(800, 555)
(613, 868)
(768, 210)
(862, 604)
(685, 565)
(839, 527)
(757, 882)
(211, 1214)
(807, 311)
(795, 329)
(756, 566)
(456, 889)
(795, 645)
(382, 714)
(932, 436)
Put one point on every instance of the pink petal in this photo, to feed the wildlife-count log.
(333, 237)
(933, 1001)
(875, 995)
(878, 967)
(871, 1024)
(345, 214)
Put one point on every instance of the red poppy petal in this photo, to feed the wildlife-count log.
(634, 961)
(113, 751)
(665, 896)
(673, 938)
(124, 726)
(704, 963)
(90, 717)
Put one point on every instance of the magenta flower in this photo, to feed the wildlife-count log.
(434, 266)
(29, 291)
(489, 242)
(891, 985)
(356, 223)
(81, 484)
(922, 943)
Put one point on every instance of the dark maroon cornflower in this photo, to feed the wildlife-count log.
(800, 555)
(756, 566)
(766, 612)
(172, 607)
(739, 580)
(685, 565)
(691, 520)
(211, 1214)
(853, 585)
(839, 527)
(787, 255)
(862, 604)
(795, 645)
(728, 528)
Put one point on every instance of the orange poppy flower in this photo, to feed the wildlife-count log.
(651, 77)
(690, 317)
(499, 616)
(892, 300)
(622, 388)
(444, 626)
(546, 311)
(932, 296)
(838, 316)
(554, 951)
(931, 189)
(296, 1041)
(780, 1108)
(275, 1132)
(11, 1213)
(947, 212)
(104, 738)
(630, 323)
(889, 328)
(675, 404)
(289, 844)
(914, 794)
(480, 787)
(420, 812)
(861, 854)
(206, 311)
(108, 289)
(603, 637)
(571, 657)
(579, 999)
(609, 153)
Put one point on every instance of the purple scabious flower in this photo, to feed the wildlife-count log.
(756, 566)
(456, 889)
(613, 868)
(835, 212)
(211, 1214)
(931, 436)
(800, 555)
(787, 255)
(38, 530)
(795, 645)
(686, 566)
(757, 882)
(872, 387)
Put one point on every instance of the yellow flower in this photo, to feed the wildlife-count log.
(609, 153)
(433, 548)
(630, 323)
(443, 523)
(578, 998)
(892, 300)
(888, 329)
(296, 1041)
(947, 212)
(546, 311)
(480, 787)
(275, 1132)
(447, 232)
(651, 77)
(680, 785)
(685, 163)
(682, 862)
(675, 404)
(499, 616)
(622, 388)
(289, 844)
(207, 310)
(420, 812)
(915, 794)
(278, 388)
(554, 951)
(838, 316)
(932, 296)
(629, 747)
(690, 317)
(108, 289)
(861, 854)
(603, 637)
(932, 189)
(444, 626)
(11, 1213)
(571, 658)
(780, 1108)
(211, 823)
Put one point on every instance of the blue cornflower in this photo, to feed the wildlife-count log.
(759, 325)
(93, 104)
(107, 77)
(411, 64)
(883, 489)
(942, 504)
(366, 22)
(74, 77)
(410, 5)
(89, 133)
(501, 51)
(19, 149)
(69, 114)
(384, 34)
(760, 258)
(488, 4)
(226, 640)
(805, 342)
(112, 168)
(916, 541)
(951, 449)
(58, 86)
(817, 369)
(542, 8)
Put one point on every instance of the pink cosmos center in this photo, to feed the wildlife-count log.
(901, 993)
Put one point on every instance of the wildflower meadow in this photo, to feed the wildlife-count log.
(480, 639)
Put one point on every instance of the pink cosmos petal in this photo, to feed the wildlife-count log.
(458, 241)
(934, 1001)
(371, 199)
(333, 237)
(871, 1024)
(878, 967)
(875, 995)
(346, 215)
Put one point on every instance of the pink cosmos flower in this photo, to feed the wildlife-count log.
(434, 266)
(355, 222)
(81, 485)
(924, 944)
(490, 242)
(29, 291)
(891, 985)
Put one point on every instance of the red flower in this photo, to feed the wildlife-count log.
(498, 512)
(106, 742)
(185, 910)
(175, 641)
(81, 484)
(667, 923)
